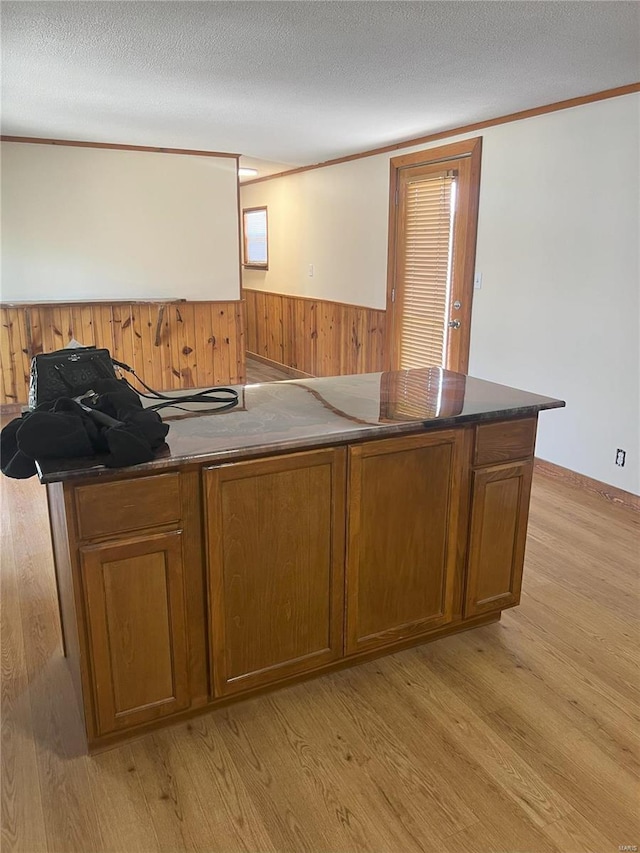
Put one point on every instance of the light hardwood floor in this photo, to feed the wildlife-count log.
(259, 372)
(520, 736)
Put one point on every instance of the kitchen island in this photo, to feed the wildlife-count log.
(321, 523)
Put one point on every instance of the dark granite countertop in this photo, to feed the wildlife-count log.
(308, 413)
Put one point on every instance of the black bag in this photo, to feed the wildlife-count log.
(115, 430)
(79, 407)
(74, 372)
(67, 373)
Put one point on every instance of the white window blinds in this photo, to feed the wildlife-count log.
(255, 237)
(425, 244)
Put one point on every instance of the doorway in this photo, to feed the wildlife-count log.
(433, 220)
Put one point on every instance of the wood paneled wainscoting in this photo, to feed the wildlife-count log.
(170, 344)
(314, 336)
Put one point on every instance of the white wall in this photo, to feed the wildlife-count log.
(83, 223)
(558, 233)
(334, 219)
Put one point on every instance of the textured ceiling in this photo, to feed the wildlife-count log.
(299, 82)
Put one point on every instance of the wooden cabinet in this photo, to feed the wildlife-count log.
(404, 501)
(136, 624)
(500, 505)
(181, 588)
(275, 542)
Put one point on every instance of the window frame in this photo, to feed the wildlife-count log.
(247, 264)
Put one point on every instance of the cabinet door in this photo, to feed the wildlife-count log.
(275, 533)
(136, 617)
(500, 508)
(404, 497)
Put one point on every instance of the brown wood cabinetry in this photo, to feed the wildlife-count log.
(275, 533)
(404, 497)
(105, 509)
(204, 579)
(498, 442)
(500, 505)
(137, 629)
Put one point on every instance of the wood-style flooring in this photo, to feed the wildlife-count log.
(257, 371)
(520, 736)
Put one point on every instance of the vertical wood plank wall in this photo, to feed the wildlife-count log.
(315, 336)
(169, 344)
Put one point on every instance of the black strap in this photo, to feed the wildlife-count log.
(207, 396)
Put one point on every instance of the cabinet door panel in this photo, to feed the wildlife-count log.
(136, 616)
(497, 538)
(276, 552)
(404, 505)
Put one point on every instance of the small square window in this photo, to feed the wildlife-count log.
(254, 227)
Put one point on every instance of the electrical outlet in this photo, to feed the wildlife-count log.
(621, 455)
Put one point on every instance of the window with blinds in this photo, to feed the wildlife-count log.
(425, 252)
(254, 228)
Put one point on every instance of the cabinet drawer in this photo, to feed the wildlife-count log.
(503, 441)
(117, 507)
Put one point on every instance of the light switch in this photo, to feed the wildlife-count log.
(477, 281)
(310, 270)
